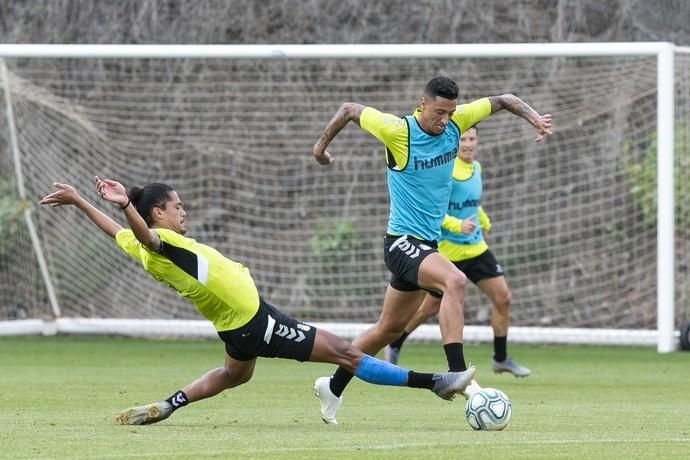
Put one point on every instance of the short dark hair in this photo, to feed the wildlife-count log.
(151, 196)
(441, 86)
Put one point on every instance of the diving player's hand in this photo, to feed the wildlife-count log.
(65, 194)
(112, 191)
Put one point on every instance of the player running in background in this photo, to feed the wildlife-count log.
(223, 291)
(419, 151)
(463, 243)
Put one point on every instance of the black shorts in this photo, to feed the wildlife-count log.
(403, 255)
(481, 267)
(270, 334)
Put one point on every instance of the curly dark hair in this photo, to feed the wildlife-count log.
(441, 86)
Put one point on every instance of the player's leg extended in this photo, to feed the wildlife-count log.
(430, 307)
(329, 390)
(496, 288)
(331, 348)
(438, 274)
(234, 373)
(398, 308)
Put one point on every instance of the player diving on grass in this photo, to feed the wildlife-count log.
(224, 293)
(419, 152)
(463, 242)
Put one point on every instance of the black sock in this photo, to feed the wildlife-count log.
(455, 357)
(500, 348)
(339, 381)
(399, 343)
(420, 380)
(179, 399)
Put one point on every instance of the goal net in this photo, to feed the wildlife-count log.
(574, 220)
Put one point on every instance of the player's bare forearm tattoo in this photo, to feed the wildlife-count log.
(343, 115)
(336, 124)
(513, 104)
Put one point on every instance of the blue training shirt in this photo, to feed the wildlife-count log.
(419, 193)
(465, 199)
(420, 166)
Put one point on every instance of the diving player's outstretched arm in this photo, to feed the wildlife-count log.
(68, 195)
(114, 192)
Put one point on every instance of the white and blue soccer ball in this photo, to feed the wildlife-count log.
(488, 409)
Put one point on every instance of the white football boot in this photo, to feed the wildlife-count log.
(329, 402)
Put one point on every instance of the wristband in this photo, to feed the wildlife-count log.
(125, 206)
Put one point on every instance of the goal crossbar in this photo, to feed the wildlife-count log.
(475, 50)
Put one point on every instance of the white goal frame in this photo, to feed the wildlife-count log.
(665, 337)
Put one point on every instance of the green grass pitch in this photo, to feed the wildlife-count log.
(58, 397)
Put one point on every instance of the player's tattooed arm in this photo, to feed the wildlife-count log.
(513, 104)
(517, 106)
(347, 112)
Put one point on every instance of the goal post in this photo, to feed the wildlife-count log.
(159, 113)
(665, 199)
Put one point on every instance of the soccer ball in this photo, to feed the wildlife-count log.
(488, 409)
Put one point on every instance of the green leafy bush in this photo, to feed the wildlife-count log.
(641, 171)
(11, 221)
(334, 244)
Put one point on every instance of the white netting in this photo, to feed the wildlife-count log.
(682, 185)
(234, 138)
